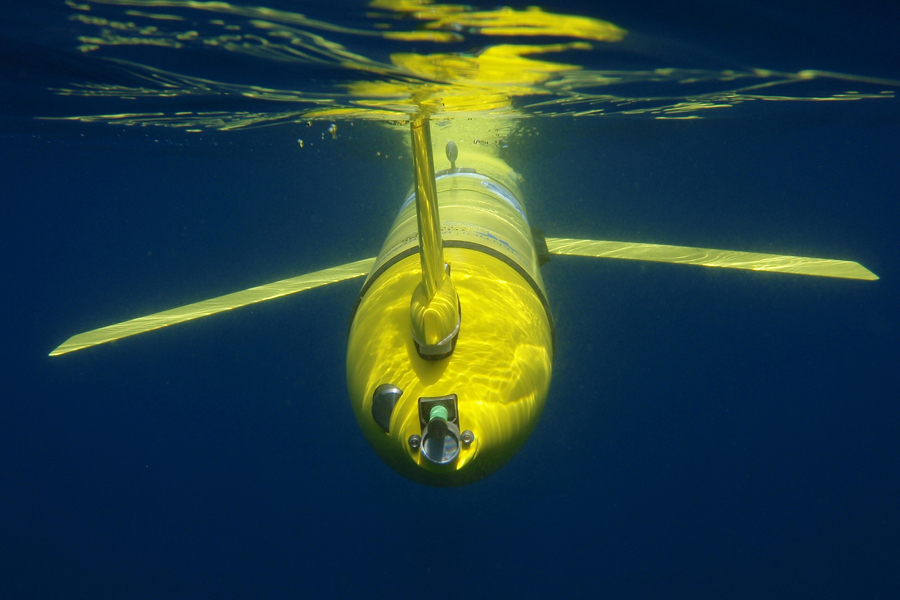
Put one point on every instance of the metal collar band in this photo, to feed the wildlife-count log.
(493, 186)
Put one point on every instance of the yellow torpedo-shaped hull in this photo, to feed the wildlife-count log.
(500, 368)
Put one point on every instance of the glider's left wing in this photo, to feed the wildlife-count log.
(215, 305)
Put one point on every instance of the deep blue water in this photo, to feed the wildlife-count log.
(708, 434)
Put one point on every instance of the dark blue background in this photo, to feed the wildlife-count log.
(708, 433)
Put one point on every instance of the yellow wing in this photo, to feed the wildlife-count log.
(215, 305)
(730, 259)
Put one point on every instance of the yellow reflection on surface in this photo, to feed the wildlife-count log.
(505, 20)
(504, 64)
(487, 79)
(486, 82)
(533, 21)
(160, 16)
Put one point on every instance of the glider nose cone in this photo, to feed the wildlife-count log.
(451, 421)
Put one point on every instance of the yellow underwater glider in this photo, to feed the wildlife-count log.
(451, 343)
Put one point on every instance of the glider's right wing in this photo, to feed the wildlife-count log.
(215, 305)
(707, 257)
